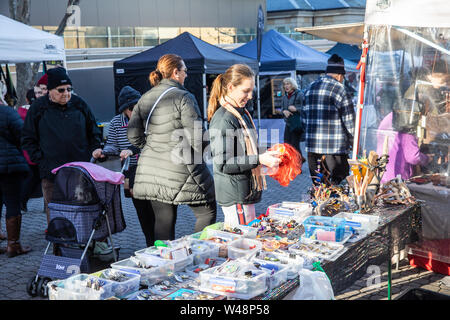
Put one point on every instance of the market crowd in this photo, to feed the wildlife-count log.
(162, 133)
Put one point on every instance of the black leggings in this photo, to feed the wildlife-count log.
(146, 218)
(166, 218)
(31, 185)
(10, 191)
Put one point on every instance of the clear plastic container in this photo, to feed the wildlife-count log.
(276, 272)
(236, 279)
(161, 269)
(80, 287)
(293, 262)
(195, 270)
(122, 282)
(245, 231)
(324, 228)
(243, 247)
(297, 211)
(358, 221)
(219, 238)
(322, 250)
(202, 250)
(149, 256)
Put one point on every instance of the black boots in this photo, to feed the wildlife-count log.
(13, 233)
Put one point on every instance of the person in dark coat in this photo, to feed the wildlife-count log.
(32, 183)
(291, 108)
(13, 170)
(234, 146)
(171, 170)
(59, 128)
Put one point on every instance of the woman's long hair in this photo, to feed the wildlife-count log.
(164, 69)
(235, 75)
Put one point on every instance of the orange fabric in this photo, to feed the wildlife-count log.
(290, 165)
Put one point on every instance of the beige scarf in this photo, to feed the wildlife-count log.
(250, 143)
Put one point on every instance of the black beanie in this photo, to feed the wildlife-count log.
(128, 97)
(335, 65)
(57, 77)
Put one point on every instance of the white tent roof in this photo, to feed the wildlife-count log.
(399, 13)
(22, 43)
(350, 33)
(408, 13)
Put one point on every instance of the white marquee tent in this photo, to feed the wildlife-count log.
(21, 43)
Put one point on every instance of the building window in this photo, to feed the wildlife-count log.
(146, 37)
(167, 34)
(244, 35)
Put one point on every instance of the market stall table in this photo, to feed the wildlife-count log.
(398, 226)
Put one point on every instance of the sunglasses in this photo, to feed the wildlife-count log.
(61, 90)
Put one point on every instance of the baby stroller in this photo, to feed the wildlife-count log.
(86, 207)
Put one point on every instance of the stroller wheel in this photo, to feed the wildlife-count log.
(42, 288)
(32, 287)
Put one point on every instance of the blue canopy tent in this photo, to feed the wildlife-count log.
(200, 57)
(346, 51)
(280, 53)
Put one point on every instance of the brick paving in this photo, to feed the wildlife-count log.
(16, 272)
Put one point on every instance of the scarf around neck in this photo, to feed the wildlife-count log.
(251, 145)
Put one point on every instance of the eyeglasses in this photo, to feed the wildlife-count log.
(185, 70)
(61, 90)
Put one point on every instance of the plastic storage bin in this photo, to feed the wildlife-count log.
(220, 238)
(293, 262)
(322, 250)
(202, 250)
(243, 247)
(161, 269)
(122, 282)
(432, 255)
(324, 228)
(360, 221)
(234, 279)
(195, 270)
(80, 287)
(297, 211)
(276, 272)
(149, 256)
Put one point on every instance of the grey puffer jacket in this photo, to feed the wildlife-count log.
(170, 167)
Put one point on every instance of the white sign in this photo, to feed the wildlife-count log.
(75, 18)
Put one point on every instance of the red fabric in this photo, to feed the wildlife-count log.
(289, 95)
(43, 80)
(290, 165)
(241, 216)
(23, 113)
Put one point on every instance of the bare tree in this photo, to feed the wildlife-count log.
(27, 73)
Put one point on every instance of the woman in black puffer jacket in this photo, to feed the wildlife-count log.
(171, 170)
(13, 170)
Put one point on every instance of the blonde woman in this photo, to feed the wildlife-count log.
(234, 146)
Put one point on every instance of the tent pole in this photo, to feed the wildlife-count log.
(258, 101)
(204, 102)
(359, 108)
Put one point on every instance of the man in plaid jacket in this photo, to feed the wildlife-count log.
(329, 121)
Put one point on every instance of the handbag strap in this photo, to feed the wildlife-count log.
(154, 106)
